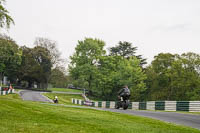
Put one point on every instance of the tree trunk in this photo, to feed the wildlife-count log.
(19, 83)
(1, 78)
(30, 83)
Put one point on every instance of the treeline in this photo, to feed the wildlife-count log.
(35, 67)
(103, 73)
(173, 77)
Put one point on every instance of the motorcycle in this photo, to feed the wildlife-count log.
(55, 100)
(123, 102)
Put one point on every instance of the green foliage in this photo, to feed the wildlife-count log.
(5, 19)
(28, 69)
(36, 66)
(59, 78)
(51, 46)
(10, 57)
(31, 65)
(126, 50)
(42, 57)
(114, 72)
(174, 77)
(83, 63)
(104, 75)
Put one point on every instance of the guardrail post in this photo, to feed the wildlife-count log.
(151, 105)
(135, 105)
(112, 104)
(182, 106)
(160, 105)
(170, 105)
(194, 106)
(142, 105)
(99, 104)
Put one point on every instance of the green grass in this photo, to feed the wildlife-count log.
(17, 90)
(65, 90)
(17, 116)
(63, 98)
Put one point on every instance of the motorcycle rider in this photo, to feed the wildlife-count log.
(56, 99)
(124, 93)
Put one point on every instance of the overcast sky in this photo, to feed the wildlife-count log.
(154, 26)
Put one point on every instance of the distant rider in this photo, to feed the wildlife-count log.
(56, 99)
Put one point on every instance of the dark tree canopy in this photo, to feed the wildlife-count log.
(10, 57)
(51, 46)
(126, 50)
(36, 66)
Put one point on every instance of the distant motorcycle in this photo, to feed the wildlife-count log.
(123, 102)
(55, 100)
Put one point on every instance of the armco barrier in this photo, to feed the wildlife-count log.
(135, 105)
(182, 105)
(170, 105)
(194, 106)
(191, 106)
(142, 105)
(151, 105)
(160, 105)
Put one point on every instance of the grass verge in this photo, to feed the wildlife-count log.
(65, 90)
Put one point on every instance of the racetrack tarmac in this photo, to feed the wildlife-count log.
(34, 96)
(191, 120)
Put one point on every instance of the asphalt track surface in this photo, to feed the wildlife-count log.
(34, 96)
(190, 120)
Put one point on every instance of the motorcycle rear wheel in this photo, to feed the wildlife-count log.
(125, 105)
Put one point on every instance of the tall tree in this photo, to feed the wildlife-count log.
(59, 78)
(114, 72)
(126, 50)
(36, 66)
(83, 63)
(10, 57)
(158, 76)
(51, 46)
(43, 59)
(29, 68)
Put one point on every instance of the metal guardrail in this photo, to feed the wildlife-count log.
(189, 106)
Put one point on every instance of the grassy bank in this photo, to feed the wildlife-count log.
(33, 117)
(65, 90)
